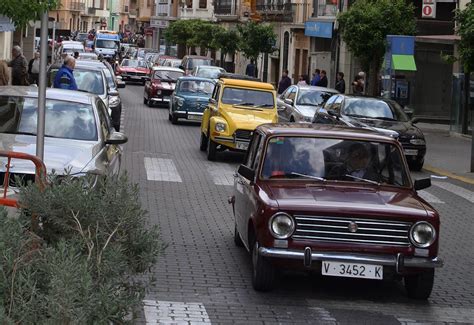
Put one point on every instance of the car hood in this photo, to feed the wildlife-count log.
(347, 200)
(247, 118)
(402, 128)
(307, 110)
(131, 69)
(59, 154)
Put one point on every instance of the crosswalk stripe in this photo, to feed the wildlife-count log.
(161, 169)
(457, 190)
(221, 173)
(430, 198)
(173, 312)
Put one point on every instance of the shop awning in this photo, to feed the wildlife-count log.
(403, 62)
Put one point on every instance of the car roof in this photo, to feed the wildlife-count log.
(51, 93)
(193, 78)
(247, 83)
(197, 57)
(160, 67)
(303, 129)
(318, 88)
(208, 67)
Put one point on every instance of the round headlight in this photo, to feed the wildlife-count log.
(418, 142)
(220, 127)
(180, 101)
(158, 92)
(281, 226)
(422, 234)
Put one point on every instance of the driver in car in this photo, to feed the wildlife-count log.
(359, 164)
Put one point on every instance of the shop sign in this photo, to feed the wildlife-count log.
(318, 29)
(6, 25)
(428, 9)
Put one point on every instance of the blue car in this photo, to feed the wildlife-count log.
(190, 98)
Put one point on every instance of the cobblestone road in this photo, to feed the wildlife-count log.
(204, 279)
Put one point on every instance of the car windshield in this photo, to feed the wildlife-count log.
(196, 86)
(195, 62)
(90, 81)
(313, 97)
(64, 119)
(374, 108)
(326, 159)
(248, 97)
(106, 44)
(167, 75)
(211, 73)
(134, 63)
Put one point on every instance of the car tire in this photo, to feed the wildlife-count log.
(211, 149)
(419, 286)
(263, 273)
(174, 119)
(203, 144)
(170, 117)
(416, 165)
(237, 240)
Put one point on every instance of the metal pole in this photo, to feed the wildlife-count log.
(52, 42)
(42, 86)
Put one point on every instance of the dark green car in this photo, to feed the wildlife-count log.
(190, 98)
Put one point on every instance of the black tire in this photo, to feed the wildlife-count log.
(237, 241)
(203, 144)
(211, 149)
(174, 119)
(419, 286)
(263, 273)
(416, 165)
(169, 117)
(145, 101)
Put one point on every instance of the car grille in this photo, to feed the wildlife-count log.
(243, 135)
(367, 231)
(166, 92)
(132, 73)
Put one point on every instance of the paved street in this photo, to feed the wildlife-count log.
(204, 278)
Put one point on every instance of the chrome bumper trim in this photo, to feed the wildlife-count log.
(224, 139)
(189, 113)
(399, 261)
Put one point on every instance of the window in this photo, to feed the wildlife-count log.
(326, 7)
(337, 104)
(104, 119)
(252, 150)
(329, 103)
(202, 4)
(292, 94)
(189, 3)
(215, 94)
(248, 97)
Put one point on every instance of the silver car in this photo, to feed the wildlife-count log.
(79, 136)
(299, 103)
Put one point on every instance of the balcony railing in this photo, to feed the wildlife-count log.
(76, 6)
(224, 9)
(276, 10)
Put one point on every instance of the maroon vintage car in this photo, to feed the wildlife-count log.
(133, 70)
(336, 200)
(161, 84)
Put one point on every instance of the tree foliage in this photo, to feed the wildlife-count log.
(465, 29)
(22, 11)
(366, 24)
(227, 40)
(256, 38)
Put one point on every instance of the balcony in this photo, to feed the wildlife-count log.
(225, 10)
(276, 10)
(76, 6)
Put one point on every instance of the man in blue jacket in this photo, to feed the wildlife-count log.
(65, 77)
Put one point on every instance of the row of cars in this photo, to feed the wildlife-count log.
(331, 194)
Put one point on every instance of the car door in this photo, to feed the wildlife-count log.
(287, 112)
(281, 105)
(113, 153)
(148, 84)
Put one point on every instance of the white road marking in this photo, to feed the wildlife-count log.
(458, 190)
(428, 197)
(221, 173)
(174, 312)
(160, 169)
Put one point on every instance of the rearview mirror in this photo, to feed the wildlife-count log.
(421, 184)
(288, 101)
(246, 172)
(116, 138)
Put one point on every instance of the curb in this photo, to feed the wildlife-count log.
(443, 172)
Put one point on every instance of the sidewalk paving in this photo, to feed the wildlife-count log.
(447, 154)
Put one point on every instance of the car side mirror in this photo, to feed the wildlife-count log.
(113, 92)
(212, 101)
(333, 113)
(288, 101)
(421, 184)
(246, 172)
(415, 120)
(181, 67)
(116, 138)
(408, 112)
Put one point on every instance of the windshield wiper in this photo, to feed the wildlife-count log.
(264, 105)
(384, 118)
(356, 115)
(20, 132)
(362, 179)
(247, 106)
(308, 176)
(244, 104)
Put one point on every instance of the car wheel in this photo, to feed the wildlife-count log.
(211, 149)
(174, 119)
(416, 165)
(419, 286)
(237, 241)
(170, 117)
(263, 273)
(145, 101)
(203, 144)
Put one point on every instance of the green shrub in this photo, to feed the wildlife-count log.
(83, 263)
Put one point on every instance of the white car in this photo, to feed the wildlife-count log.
(207, 71)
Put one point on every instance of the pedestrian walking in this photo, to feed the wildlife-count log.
(302, 81)
(33, 68)
(362, 81)
(323, 82)
(340, 83)
(358, 86)
(65, 77)
(316, 77)
(4, 73)
(284, 83)
(19, 67)
(251, 69)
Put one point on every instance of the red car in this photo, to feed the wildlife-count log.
(133, 70)
(336, 200)
(160, 85)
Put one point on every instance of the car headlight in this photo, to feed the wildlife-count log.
(158, 92)
(114, 101)
(180, 101)
(281, 225)
(422, 234)
(418, 142)
(220, 127)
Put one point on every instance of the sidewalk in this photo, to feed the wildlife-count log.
(446, 154)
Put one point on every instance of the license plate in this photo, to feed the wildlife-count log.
(352, 270)
(135, 77)
(195, 117)
(241, 145)
(410, 152)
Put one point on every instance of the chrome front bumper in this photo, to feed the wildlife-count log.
(398, 261)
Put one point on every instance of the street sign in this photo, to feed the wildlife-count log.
(428, 10)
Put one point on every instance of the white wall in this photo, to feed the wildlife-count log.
(6, 41)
